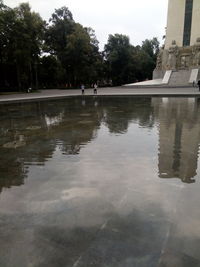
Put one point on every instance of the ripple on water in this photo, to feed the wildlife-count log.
(31, 128)
(14, 144)
(85, 122)
(85, 114)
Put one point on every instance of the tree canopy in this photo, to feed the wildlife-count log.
(21, 37)
(64, 53)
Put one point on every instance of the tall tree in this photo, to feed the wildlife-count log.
(151, 47)
(7, 21)
(61, 25)
(149, 52)
(20, 43)
(50, 72)
(2, 5)
(119, 57)
(29, 29)
(83, 55)
(76, 47)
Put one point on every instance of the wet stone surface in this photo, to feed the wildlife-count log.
(100, 181)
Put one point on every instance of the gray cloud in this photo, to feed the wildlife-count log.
(137, 19)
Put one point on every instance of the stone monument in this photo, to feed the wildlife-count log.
(181, 52)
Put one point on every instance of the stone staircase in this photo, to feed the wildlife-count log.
(180, 78)
(171, 79)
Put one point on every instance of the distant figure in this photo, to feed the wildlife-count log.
(82, 89)
(198, 84)
(95, 89)
(193, 84)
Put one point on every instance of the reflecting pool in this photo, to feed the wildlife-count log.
(100, 181)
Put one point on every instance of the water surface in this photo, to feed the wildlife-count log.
(100, 181)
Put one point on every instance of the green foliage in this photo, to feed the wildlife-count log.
(61, 25)
(149, 52)
(64, 53)
(2, 6)
(21, 34)
(126, 63)
(50, 72)
(76, 47)
(82, 55)
(151, 47)
(118, 53)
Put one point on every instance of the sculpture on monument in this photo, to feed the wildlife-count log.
(178, 61)
(172, 57)
(196, 53)
(180, 55)
(183, 64)
(159, 60)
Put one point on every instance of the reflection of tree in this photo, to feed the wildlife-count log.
(12, 170)
(31, 132)
(37, 129)
(179, 137)
(44, 126)
(120, 111)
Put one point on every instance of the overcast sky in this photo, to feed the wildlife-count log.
(139, 19)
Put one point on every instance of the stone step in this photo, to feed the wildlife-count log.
(179, 78)
(167, 77)
(194, 75)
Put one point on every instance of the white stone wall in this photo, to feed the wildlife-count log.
(195, 22)
(175, 22)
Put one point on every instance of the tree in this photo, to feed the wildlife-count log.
(119, 57)
(2, 5)
(29, 29)
(150, 49)
(83, 55)
(50, 72)
(7, 21)
(75, 47)
(21, 35)
(60, 27)
(64, 52)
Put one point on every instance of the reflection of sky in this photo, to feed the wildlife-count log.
(106, 157)
(107, 170)
(50, 121)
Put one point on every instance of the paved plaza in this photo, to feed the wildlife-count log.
(58, 93)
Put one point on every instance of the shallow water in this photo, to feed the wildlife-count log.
(100, 181)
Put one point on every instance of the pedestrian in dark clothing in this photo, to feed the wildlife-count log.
(95, 89)
(198, 84)
(82, 89)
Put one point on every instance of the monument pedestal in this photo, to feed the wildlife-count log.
(183, 62)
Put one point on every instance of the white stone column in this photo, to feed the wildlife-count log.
(195, 33)
(175, 22)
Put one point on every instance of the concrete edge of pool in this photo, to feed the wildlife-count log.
(108, 92)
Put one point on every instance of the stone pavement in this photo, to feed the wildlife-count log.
(109, 91)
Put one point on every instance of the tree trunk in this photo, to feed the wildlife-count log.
(18, 77)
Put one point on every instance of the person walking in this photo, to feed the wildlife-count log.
(82, 89)
(198, 84)
(95, 89)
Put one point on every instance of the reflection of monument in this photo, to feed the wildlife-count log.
(179, 137)
(180, 55)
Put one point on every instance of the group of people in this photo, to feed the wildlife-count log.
(94, 89)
